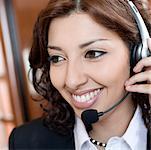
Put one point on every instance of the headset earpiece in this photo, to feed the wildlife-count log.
(136, 54)
(141, 50)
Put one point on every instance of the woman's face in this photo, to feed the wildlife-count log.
(89, 64)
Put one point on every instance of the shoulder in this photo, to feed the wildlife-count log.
(36, 135)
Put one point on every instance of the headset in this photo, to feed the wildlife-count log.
(140, 50)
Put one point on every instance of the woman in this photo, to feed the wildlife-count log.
(81, 59)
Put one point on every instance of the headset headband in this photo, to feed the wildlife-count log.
(142, 29)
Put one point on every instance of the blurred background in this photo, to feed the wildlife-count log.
(17, 19)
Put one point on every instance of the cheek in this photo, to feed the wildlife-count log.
(113, 72)
(120, 74)
(56, 77)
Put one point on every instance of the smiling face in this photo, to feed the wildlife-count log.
(89, 63)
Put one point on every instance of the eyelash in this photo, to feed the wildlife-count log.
(94, 52)
(91, 53)
(53, 58)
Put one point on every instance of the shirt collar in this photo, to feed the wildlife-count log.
(80, 134)
(136, 130)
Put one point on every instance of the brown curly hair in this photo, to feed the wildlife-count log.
(114, 15)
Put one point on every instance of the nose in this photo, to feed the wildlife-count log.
(75, 76)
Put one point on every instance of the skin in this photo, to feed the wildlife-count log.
(71, 41)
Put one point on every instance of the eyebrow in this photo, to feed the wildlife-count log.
(54, 47)
(80, 46)
(91, 42)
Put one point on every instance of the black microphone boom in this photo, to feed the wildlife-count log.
(91, 115)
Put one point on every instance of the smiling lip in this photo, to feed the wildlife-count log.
(87, 99)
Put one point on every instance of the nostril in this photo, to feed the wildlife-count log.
(74, 80)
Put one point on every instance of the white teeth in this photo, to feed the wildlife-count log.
(95, 92)
(92, 94)
(83, 98)
(86, 97)
(78, 98)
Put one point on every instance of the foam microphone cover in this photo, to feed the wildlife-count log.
(88, 117)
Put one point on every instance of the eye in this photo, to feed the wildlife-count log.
(92, 54)
(55, 59)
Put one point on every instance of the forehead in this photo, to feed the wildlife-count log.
(77, 26)
(72, 22)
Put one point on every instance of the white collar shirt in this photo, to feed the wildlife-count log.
(135, 137)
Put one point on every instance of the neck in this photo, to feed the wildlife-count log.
(112, 124)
